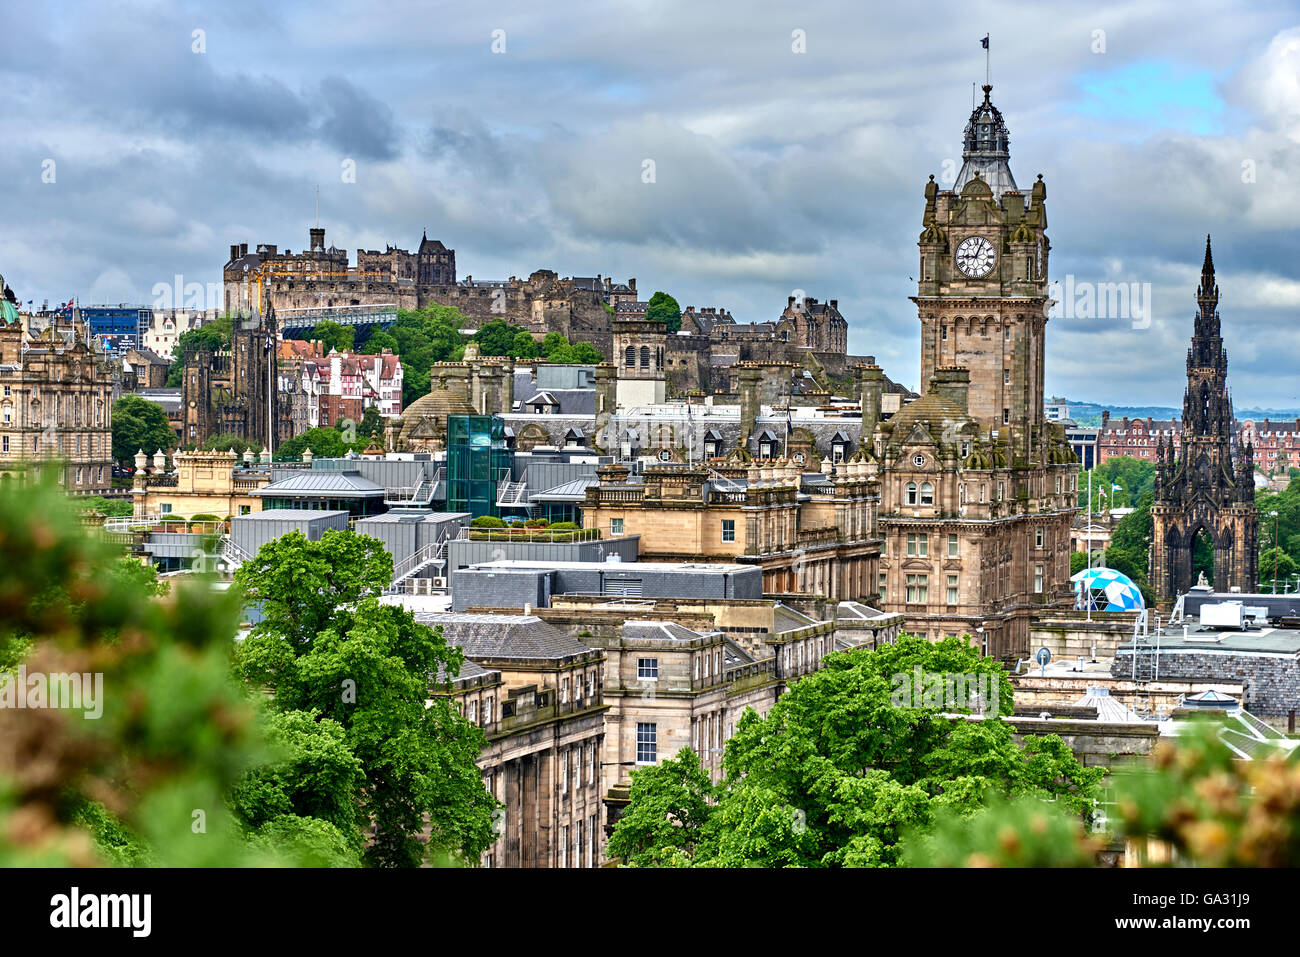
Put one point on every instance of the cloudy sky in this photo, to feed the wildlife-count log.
(136, 149)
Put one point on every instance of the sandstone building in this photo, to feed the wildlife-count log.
(56, 396)
(977, 488)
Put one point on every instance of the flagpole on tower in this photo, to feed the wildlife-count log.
(986, 59)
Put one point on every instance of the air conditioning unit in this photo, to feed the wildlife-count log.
(438, 582)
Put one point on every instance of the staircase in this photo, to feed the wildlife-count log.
(232, 554)
(512, 493)
(416, 562)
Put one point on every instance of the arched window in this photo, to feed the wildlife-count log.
(629, 358)
(645, 357)
(927, 493)
(911, 493)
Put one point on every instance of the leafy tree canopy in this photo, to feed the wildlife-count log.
(327, 648)
(139, 424)
(843, 764)
(664, 308)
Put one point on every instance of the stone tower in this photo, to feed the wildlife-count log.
(982, 292)
(639, 346)
(1210, 485)
(976, 489)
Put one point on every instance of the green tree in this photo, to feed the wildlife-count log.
(372, 423)
(139, 424)
(327, 646)
(848, 759)
(668, 813)
(313, 774)
(227, 442)
(1135, 477)
(664, 308)
(524, 346)
(377, 341)
(334, 336)
(325, 443)
(553, 341)
(495, 338)
(214, 336)
(1286, 568)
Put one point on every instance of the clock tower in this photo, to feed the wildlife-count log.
(982, 291)
(977, 490)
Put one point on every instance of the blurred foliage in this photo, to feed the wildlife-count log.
(147, 781)
(1194, 804)
(842, 766)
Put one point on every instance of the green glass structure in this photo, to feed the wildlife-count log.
(477, 460)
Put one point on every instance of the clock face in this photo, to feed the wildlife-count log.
(976, 256)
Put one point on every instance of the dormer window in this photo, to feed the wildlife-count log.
(911, 493)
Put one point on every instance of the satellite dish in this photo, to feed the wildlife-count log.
(1043, 656)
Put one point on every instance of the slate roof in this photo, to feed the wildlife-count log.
(504, 636)
(566, 401)
(574, 491)
(658, 629)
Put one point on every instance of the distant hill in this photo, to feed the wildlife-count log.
(1089, 413)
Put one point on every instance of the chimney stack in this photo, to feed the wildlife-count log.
(953, 384)
(317, 238)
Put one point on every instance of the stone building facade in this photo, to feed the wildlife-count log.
(976, 487)
(234, 391)
(812, 533)
(56, 396)
(1209, 485)
(538, 695)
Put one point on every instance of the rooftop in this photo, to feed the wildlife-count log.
(504, 636)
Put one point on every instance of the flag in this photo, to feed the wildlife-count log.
(985, 42)
(1116, 488)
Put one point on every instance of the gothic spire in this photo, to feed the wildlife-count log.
(1207, 295)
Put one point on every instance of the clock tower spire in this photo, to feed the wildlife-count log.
(982, 293)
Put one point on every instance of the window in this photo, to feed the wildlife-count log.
(952, 589)
(1038, 537)
(881, 588)
(616, 526)
(1006, 416)
(697, 667)
(473, 712)
(591, 684)
(706, 666)
(165, 508)
(564, 773)
(487, 710)
(927, 493)
(1006, 334)
(593, 769)
(591, 841)
(564, 691)
(245, 509)
(943, 333)
(646, 743)
(728, 529)
(918, 544)
(1038, 579)
(564, 848)
(577, 771)
(952, 544)
(647, 669)
(911, 493)
(984, 494)
(717, 663)
(918, 590)
(1000, 487)
(6, 445)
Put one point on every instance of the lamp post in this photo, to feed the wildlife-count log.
(1273, 515)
